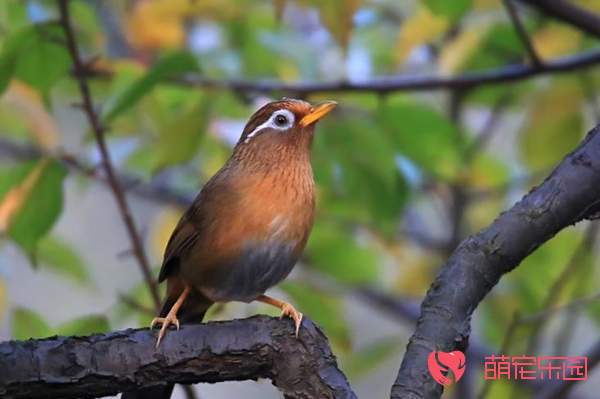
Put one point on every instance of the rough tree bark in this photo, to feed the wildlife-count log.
(571, 193)
(105, 364)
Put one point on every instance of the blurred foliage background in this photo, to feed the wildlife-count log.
(403, 174)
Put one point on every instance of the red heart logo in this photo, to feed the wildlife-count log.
(440, 363)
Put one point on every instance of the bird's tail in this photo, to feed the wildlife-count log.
(192, 311)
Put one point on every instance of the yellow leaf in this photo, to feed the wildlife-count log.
(592, 5)
(156, 24)
(161, 230)
(487, 4)
(459, 50)
(417, 268)
(553, 124)
(16, 197)
(288, 71)
(423, 27)
(556, 40)
(338, 18)
(41, 125)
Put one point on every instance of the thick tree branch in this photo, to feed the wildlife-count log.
(567, 196)
(99, 129)
(105, 364)
(569, 13)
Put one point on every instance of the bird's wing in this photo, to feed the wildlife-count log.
(183, 238)
(187, 232)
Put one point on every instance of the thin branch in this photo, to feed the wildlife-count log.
(504, 348)
(569, 13)
(542, 315)
(154, 191)
(99, 130)
(555, 291)
(135, 305)
(507, 74)
(382, 85)
(516, 21)
(489, 127)
(566, 196)
(105, 364)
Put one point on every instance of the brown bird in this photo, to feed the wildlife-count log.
(250, 222)
(248, 225)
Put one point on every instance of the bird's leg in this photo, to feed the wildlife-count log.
(286, 310)
(171, 317)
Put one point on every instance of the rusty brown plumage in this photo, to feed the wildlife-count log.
(250, 222)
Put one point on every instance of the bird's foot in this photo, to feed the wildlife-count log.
(165, 323)
(290, 311)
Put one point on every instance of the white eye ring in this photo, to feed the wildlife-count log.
(279, 120)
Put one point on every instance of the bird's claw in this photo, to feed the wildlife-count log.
(290, 311)
(165, 322)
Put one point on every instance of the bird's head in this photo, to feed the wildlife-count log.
(283, 125)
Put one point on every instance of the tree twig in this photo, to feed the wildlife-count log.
(489, 127)
(105, 364)
(471, 80)
(99, 129)
(556, 289)
(569, 13)
(504, 348)
(566, 196)
(538, 317)
(516, 21)
(383, 85)
(135, 305)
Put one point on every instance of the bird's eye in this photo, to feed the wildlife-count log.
(281, 120)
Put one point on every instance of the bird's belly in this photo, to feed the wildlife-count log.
(258, 268)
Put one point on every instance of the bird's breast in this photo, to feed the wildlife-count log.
(253, 243)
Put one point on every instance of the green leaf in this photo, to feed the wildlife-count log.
(59, 257)
(7, 69)
(531, 279)
(453, 9)
(84, 325)
(179, 139)
(487, 172)
(424, 136)
(31, 47)
(28, 324)
(500, 46)
(170, 66)
(326, 310)
(332, 251)
(13, 14)
(355, 167)
(39, 204)
(554, 125)
(365, 360)
(257, 59)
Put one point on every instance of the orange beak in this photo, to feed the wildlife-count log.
(317, 113)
